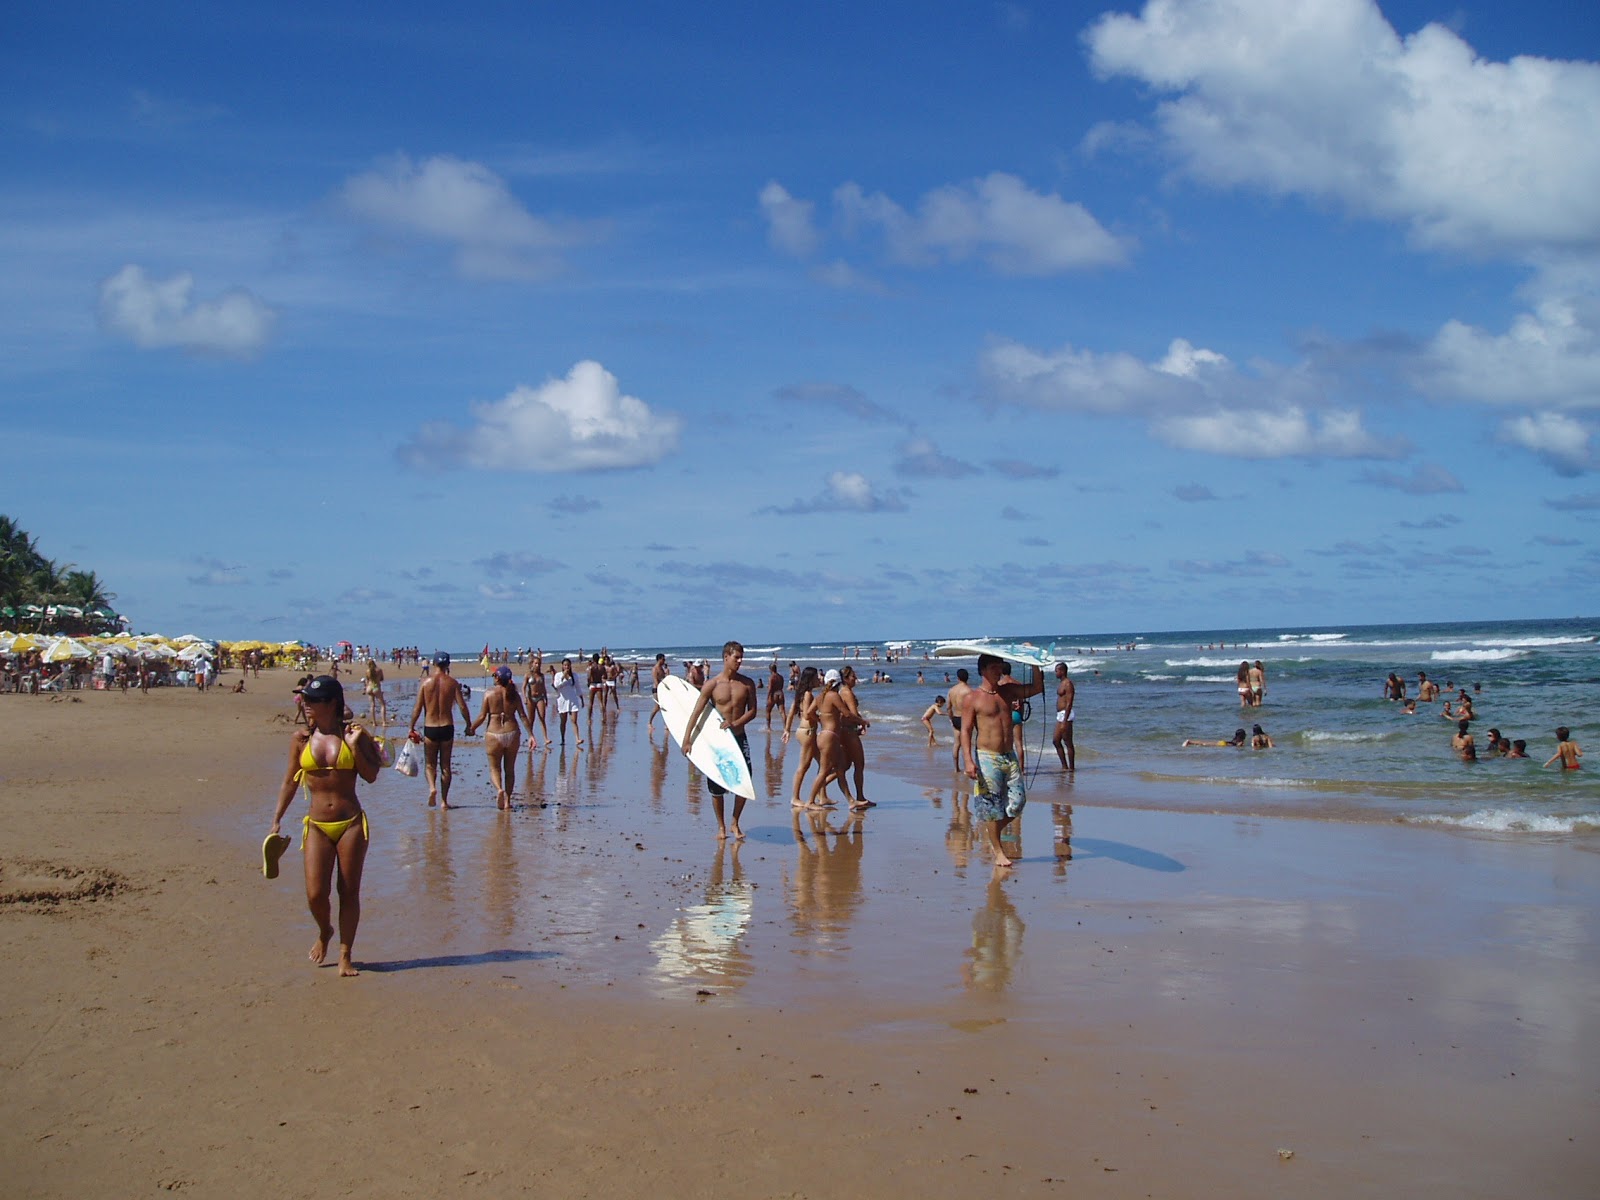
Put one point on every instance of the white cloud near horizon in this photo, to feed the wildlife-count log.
(582, 422)
(1192, 398)
(161, 314)
(997, 220)
(1323, 98)
(467, 207)
(1549, 357)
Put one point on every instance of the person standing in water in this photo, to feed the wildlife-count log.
(1567, 750)
(987, 756)
(1066, 713)
(957, 700)
(733, 695)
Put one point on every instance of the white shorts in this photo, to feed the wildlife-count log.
(1066, 717)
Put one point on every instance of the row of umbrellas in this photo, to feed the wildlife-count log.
(147, 647)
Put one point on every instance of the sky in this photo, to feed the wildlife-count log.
(659, 324)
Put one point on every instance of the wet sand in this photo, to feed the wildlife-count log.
(589, 996)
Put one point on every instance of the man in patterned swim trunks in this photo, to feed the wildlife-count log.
(733, 695)
(986, 753)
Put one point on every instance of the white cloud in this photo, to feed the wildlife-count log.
(790, 226)
(920, 458)
(999, 219)
(1192, 398)
(580, 423)
(466, 206)
(1323, 98)
(1559, 440)
(1549, 357)
(157, 314)
(844, 491)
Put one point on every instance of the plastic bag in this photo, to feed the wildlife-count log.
(409, 761)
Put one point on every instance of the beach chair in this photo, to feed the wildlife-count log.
(57, 683)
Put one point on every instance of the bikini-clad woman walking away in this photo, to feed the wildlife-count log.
(502, 709)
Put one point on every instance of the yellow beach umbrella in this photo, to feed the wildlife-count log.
(66, 650)
(24, 643)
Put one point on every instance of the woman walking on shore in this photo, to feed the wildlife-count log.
(327, 756)
(804, 713)
(503, 710)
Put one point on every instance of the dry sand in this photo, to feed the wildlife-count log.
(588, 996)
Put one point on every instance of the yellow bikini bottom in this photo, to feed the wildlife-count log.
(332, 830)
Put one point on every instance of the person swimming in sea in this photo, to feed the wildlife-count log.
(1260, 739)
(1238, 739)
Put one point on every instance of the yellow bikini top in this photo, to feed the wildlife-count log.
(346, 761)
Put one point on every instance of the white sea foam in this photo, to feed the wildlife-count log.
(1317, 735)
(1511, 820)
(1203, 662)
(1208, 678)
(1504, 654)
(1311, 637)
(1535, 642)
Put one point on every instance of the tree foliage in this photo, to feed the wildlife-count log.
(45, 594)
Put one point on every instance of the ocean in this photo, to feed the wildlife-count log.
(1343, 753)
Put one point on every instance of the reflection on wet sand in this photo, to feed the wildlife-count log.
(1061, 822)
(824, 891)
(660, 755)
(996, 941)
(501, 880)
(960, 835)
(773, 763)
(702, 945)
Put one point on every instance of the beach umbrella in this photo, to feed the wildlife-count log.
(193, 653)
(67, 650)
(23, 643)
(187, 639)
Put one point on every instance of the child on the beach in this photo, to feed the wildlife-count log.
(933, 710)
(1567, 750)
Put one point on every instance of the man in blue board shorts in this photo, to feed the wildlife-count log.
(735, 698)
(986, 749)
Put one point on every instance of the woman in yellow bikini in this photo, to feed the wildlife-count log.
(327, 756)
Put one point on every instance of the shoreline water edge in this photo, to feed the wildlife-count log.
(1173, 993)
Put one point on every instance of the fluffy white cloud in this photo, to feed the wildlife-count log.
(1324, 98)
(999, 219)
(1559, 440)
(466, 206)
(580, 423)
(1192, 398)
(790, 225)
(1549, 357)
(156, 314)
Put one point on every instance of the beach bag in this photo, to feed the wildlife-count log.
(406, 762)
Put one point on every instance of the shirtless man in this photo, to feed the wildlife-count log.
(775, 699)
(657, 673)
(734, 696)
(1066, 693)
(437, 699)
(986, 753)
(597, 686)
(958, 699)
(1427, 689)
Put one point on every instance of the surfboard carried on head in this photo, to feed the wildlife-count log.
(716, 751)
(1013, 652)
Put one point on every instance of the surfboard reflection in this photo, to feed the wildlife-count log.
(703, 944)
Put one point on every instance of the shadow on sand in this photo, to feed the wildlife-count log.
(1086, 848)
(459, 960)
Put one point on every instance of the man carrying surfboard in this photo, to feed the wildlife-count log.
(986, 751)
(734, 697)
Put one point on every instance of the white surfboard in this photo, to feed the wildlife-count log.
(716, 752)
(1013, 652)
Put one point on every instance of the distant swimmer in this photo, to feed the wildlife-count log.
(1427, 689)
(1462, 741)
(1238, 739)
(328, 756)
(1394, 688)
(933, 710)
(733, 695)
(1258, 684)
(1519, 749)
(1066, 713)
(1260, 739)
(437, 700)
(1567, 750)
(503, 711)
(998, 794)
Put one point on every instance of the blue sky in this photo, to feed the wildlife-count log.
(658, 325)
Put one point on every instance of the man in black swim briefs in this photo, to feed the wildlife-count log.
(437, 699)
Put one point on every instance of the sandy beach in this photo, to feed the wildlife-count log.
(589, 996)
